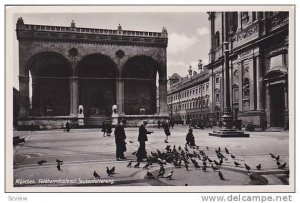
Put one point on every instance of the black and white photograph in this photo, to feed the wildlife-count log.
(125, 98)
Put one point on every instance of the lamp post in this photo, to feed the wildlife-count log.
(227, 118)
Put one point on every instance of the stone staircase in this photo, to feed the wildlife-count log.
(95, 121)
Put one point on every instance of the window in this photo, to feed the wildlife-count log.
(196, 91)
(217, 80)
(207, 85)
(246, 90)
(217, 39)
(217, 98)
(236, 95)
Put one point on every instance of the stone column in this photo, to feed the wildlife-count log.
(251, 81)
(74, 96)
(35, 100)
(163, 106)
(120, 95)
(24, 95)
(259, 85)
(239, 22)
(286, 96)
(240, 70)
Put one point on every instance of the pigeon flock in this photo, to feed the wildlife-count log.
(189, 158)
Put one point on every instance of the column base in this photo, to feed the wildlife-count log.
(229, 133)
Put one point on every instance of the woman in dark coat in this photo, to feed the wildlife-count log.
(120, 137)
(190, 139)
(108, 129)
(142, 138)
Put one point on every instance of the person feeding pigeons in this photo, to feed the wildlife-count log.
(120, 137)
(190, 139)
(142, 138)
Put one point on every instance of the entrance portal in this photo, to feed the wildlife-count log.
(97, 80)
(277, 105)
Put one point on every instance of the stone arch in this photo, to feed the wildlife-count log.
(50, 72)
(97, 75)
(140, 89)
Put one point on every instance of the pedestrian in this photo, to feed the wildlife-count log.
(108, 129)
(120, 137)
(172, 123)
(167, 131)
(142, 138)
(68, 126)
(32, 127)
(158, 124)
(190, 139)
(103, 126)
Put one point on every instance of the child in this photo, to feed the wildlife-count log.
(190, 139)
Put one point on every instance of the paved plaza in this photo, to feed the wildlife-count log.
(84, 151)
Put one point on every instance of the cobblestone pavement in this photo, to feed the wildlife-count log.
(86, 150)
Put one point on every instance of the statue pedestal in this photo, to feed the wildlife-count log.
(114, 119)
(81, 120)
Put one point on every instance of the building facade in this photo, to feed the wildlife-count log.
(68, 67)
(258, 61)
(189, 98)
(258, 54)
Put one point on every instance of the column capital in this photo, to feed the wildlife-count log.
(74, 78)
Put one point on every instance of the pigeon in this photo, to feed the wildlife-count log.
(214, 168)
(129, 164)
(207, 148)
(217, 163)
(137, 165)
(272, 156)
(113, 169)
(277, 158)
(232, 156)
(278, 163)
(59, 161)
(221, 162)
(282, 166)
(41, 162)
(58, 167)
(147, 165)
(186, 184)
(209, 160)
(221, 176)
(258, 167)
(150, 175)
(247, 167)
(186, 166)
(204, 163)
(227, 151)
(110, 171)
(219, 149)
(251, 176)
(204, 168)
(96, 175)
(236, 163)
(161, 172)
(169, 176)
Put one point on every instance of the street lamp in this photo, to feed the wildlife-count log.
(227, 118)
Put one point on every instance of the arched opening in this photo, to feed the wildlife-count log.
(97, 84)
(140, 89)
(49, 89)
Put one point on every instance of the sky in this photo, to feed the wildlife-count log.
(188, 32)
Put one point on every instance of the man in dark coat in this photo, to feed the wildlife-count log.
(120, 137)
(142, 138)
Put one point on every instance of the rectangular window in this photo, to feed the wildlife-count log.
(217, 80)
(235, 95)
